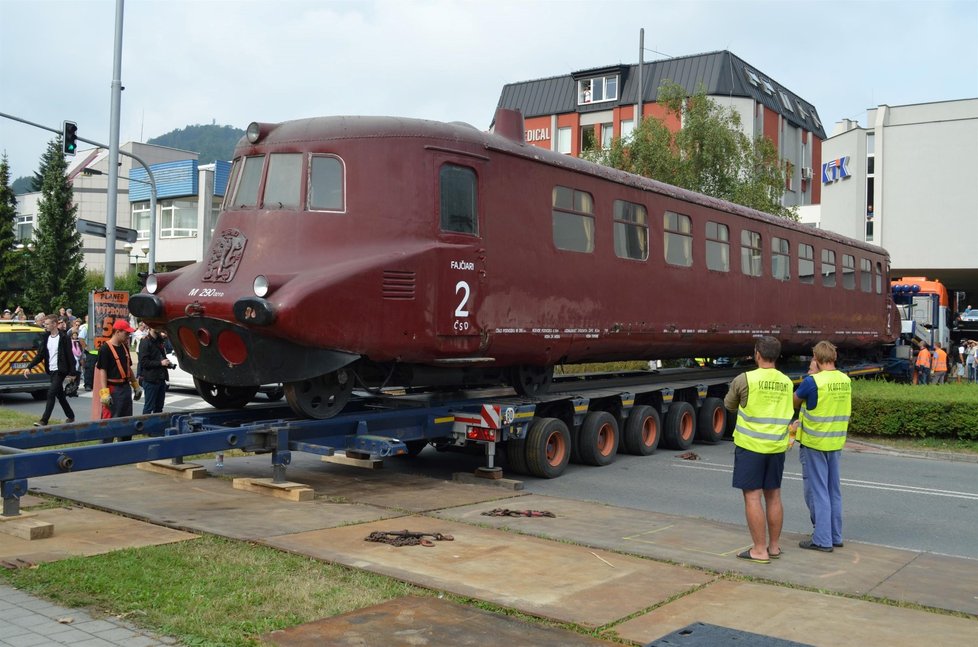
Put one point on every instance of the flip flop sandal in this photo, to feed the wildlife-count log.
(747, 556)
(776, 555)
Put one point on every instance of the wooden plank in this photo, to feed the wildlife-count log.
(369, 463)
(183, 470)
(287, 490)
(24, 527)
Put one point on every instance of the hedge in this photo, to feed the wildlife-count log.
(935, 411)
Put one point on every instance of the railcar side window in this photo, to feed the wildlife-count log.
(678, 239)
(806, 264)
(717, 247)
(631, 231)
(283, 181)
(459, 207)
(780, 259)
(326, 184)
(865, 275)
(828, 268)
(848, 272)
(573, 218)
(751, 253)
(879, 279)
(247, 193)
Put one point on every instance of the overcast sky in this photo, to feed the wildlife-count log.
(237, 61)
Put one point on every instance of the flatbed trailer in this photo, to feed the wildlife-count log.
(588, 419)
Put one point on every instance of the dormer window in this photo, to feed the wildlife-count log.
(598, 89)
(752, 77)
(768, 87)
(786, 101)
(801, 111)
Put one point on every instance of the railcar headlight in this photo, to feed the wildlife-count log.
(261, 286)
(152, 284)
(254, 132)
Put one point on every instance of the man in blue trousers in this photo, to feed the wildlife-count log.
(825, 398)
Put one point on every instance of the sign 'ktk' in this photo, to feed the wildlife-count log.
(835, 170)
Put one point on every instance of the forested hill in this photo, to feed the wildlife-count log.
(210, 142)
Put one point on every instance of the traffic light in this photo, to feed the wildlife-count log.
(69, 137)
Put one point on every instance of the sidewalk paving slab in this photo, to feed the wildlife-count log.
(803, 616)
(554, 580)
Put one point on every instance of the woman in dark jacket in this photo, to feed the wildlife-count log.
(54, 349)
(153, 371)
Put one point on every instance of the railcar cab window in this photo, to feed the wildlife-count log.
(282, 186)
(780, 259)
(246, 194)
(848, 272)
(678, 239)
(631, 231)
(806, 264)
(865, 275)
(751, 253)
(573, 220)
(326, 184)
(717, 247)
(828, 268)
(458, 207)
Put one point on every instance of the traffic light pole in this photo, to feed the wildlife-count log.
(152, 194)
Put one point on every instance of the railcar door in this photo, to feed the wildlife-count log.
(460, 259)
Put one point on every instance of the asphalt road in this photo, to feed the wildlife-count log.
(906, 502)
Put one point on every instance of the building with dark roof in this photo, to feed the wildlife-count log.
(586, 109)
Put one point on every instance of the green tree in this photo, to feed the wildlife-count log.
(57, 277)
(710, 154)
(11, 259)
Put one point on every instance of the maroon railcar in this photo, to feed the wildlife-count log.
(385, 250)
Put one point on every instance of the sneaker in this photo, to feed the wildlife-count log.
(40, 423)
(838, 545)
(808, 545)
(69, 421)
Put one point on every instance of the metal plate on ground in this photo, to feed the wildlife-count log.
(412, 621)
(81, 531)
(700, 634)
(550, 579)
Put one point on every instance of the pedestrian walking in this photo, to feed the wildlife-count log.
(59, 362)
(762, 402)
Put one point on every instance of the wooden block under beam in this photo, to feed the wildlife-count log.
(24, 527)
(182, 470)
(287, 490)
(341, 459)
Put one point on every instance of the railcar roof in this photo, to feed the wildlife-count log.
(318, 129)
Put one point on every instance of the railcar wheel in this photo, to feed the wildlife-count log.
(711, 422)
(321, 397)
(516, 456)
(642, 428)
(547, 448)
(531, 381)
(221, 396)
(598, 438)
(679, 429)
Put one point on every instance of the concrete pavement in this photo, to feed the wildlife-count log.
(619, 573)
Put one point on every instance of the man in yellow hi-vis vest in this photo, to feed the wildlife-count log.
(762, 401)
(825, 398)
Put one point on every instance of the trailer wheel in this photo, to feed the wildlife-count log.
(679, 429)
(415, 447)
(642, 428)
(221, 396)
(547, 448)
(598, 438)
(711, 422)
(516, 456)
(531, 380)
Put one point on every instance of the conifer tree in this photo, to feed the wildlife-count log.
(56, 277)
(11, 259)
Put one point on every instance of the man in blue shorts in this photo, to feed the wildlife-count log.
(762, 401)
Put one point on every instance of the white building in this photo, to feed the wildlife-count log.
(908, 182)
